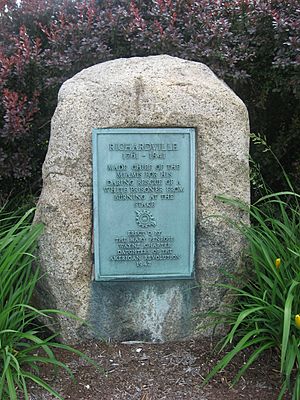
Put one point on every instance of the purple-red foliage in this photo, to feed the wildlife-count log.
(253, 44)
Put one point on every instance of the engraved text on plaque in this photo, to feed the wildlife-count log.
(144, 201)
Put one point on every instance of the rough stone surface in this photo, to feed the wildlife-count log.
(157, 91)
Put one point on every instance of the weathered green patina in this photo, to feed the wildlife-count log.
(144, 203)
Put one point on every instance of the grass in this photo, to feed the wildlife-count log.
(264, 311)
(22, 350)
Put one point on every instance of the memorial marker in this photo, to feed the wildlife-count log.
(144, 203)
(157, 255)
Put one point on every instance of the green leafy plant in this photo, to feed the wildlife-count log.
(22, 350)
(265, 313)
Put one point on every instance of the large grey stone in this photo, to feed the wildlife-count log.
(156, 91)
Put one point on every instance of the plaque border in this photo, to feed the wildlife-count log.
(96, 229)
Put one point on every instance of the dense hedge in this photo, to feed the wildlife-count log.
(253, 45)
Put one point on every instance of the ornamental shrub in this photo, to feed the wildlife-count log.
(252, 45)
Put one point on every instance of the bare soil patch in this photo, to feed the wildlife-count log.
(173, 371)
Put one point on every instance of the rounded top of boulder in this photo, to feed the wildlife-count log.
(160, 66)
(172, 73)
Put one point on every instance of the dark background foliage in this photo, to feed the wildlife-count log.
(254, 45)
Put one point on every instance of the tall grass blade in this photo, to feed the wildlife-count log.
(265, 305)
(22, 351)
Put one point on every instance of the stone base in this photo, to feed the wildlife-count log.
(155, 311)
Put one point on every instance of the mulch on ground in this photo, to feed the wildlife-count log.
(172, 371)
